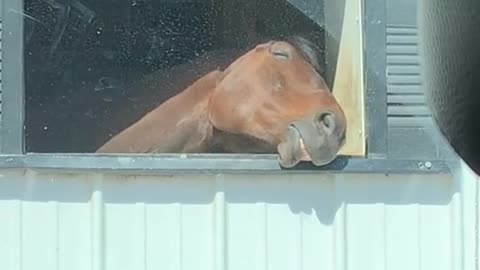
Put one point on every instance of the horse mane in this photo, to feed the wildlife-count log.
(307, 48)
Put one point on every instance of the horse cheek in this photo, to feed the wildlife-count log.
(219, 113)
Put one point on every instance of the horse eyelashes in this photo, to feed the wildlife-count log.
(281, 55)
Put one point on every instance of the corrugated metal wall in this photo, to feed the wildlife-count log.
(237, 222)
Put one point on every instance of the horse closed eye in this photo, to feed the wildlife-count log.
(281, 55)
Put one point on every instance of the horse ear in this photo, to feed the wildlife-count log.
(210, 80)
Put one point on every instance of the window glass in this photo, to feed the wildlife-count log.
(95, 68)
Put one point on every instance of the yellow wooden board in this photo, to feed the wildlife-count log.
(349, 79)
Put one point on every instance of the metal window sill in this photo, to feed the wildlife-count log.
(221, 163)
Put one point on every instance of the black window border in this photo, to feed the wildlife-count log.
(12, 139)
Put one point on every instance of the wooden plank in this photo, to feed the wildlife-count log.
(349, 80)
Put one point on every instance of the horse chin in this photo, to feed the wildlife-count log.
(293, 150)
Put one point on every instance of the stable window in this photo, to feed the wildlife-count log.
(75, 73)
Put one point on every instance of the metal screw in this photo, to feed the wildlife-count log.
(428, 165)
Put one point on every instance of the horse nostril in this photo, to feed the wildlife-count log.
(326, 120)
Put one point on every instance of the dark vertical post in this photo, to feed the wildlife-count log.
(13, 109)
(375, 13)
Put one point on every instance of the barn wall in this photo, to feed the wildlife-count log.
(95, 221)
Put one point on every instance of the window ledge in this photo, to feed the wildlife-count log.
(229, 163)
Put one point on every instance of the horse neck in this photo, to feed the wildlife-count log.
(187, 113)
(179, 125)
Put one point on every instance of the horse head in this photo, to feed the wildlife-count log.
(274, 97)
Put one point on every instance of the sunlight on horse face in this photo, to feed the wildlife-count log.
(275, 97)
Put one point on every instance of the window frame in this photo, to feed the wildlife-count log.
(12, 135)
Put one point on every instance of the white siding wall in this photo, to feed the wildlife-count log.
(237, 222)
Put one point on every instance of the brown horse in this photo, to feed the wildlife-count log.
(271, 99)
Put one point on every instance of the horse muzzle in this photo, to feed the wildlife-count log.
(317, 139)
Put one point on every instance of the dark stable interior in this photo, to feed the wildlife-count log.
(93, 68)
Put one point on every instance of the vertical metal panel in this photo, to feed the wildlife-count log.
(375, 78)
(12, 117)
(11, 234)
(1, 66)
(401, 218)
(74, 221)
(469, 213)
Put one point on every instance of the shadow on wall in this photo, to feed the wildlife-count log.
(320, 195)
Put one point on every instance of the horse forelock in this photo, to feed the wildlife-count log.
(308, 50)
